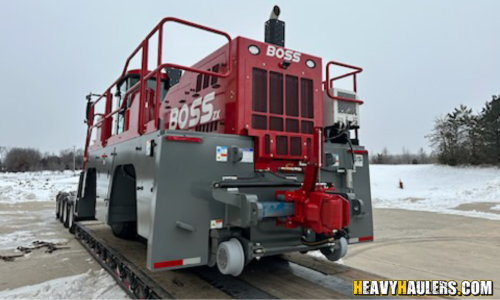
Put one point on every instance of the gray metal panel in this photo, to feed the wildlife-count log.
(128, 152)
(183, 194)
(360, 226)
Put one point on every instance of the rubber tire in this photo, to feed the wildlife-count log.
(61, 211)
(65, 213)
(232, 252)
(336, 252)
(71, 218)
(58, 208)
(125, 230)
(62, 199)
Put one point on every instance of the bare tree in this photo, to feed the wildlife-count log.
(3, 153)
(71, 156)
(406, 157)
(22, 160)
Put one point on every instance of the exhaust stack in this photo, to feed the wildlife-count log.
(275, 29)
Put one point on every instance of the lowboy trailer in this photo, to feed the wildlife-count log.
(248, 153)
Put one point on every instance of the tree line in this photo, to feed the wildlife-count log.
(404, 158)
(30, 159)
(463, 137)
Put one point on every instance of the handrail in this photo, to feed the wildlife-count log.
(145, 75)
(159, 28)
(328, 83)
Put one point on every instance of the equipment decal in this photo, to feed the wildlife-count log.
(336, 160)
(221, 154)
(247, 155)
(216, 224)
(358, 160)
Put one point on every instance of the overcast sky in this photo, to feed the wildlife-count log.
(421, 58)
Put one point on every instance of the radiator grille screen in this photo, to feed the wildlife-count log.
(276, 93)
(346, 95)
(292, 96)
(259, 90)
(306, 95)
(208, 127)
(346, 107)
(283, 104)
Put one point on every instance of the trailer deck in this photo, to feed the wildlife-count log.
(290, 276)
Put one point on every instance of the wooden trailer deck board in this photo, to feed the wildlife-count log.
(291, 276)
(179, 283)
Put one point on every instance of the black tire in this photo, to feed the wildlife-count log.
(71, 218)
(61, 213)
(125, 230)
(63, 197)
(58, 209)
(65, 213)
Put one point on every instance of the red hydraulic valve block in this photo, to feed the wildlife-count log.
(319, 211)
(313, 208)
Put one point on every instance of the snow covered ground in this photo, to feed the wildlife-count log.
(440, 189)
(35, 186)
(90, 285)
(27, 215)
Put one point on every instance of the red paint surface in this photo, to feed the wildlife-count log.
(184, 139)
(168, 264)
(365, 239)
(358, 151)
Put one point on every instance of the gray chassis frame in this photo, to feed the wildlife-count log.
(178, 189)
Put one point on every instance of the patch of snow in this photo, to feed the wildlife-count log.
(90, 285)
(496, 207)
(318, 254)
(15, 239)
(35, 186)
(435, 188)
(90, 260)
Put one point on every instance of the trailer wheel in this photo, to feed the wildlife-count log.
(71, 218)
(62, 200)
(65, 213)
(336, 252)
(58, 209)
(230, 257)
(125, 230)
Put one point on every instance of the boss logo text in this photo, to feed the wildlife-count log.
(280, 53)
(201, 112)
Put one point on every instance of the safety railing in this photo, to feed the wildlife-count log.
(106, 119)
(328, 83)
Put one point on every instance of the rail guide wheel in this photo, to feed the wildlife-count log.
(230, 257)
(336, 252)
